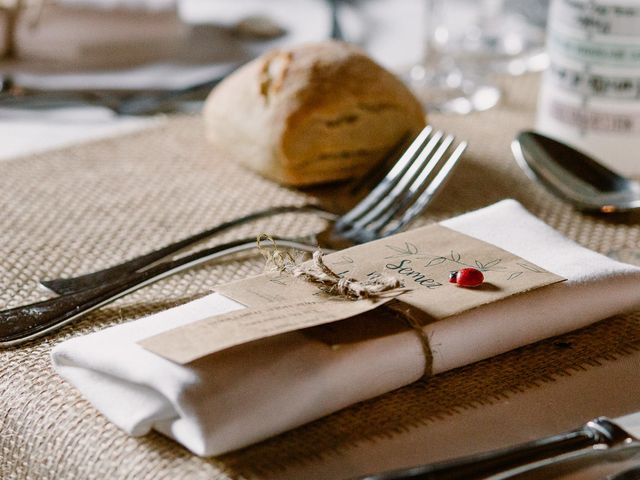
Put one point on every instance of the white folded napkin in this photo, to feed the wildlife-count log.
(243, 395)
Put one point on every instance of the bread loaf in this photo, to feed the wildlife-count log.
(310, 114)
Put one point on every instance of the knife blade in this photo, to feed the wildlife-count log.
(124, 97)
(594, 438)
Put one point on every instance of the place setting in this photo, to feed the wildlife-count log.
(321, 251)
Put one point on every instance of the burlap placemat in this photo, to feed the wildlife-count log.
(86, 207)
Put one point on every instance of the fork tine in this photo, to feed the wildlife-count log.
(374, 176)
(403, 184)
(372, 208)
(388, 182)
(432, 189)
(419, 185)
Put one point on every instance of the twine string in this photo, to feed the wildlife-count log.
(318, 272)
(413, 322)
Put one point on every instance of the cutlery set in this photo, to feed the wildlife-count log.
(401, 195)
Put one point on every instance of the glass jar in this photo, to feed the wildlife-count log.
(590, 95)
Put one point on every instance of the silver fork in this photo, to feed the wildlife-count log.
(401, 195)
(110, 274)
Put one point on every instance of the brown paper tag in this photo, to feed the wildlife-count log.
(423, 258)
(204, 337)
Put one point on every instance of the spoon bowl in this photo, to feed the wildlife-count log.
(573, 175)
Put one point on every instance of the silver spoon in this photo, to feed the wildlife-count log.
(574, 176)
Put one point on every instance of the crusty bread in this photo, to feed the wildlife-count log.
(311, 114)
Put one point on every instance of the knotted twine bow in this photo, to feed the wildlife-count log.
(318, 272)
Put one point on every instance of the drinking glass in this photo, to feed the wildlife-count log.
(512, 37)
(452, 77)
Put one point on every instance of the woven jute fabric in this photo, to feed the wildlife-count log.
(83, 208)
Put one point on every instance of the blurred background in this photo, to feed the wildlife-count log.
(72, 69)
(116, 33)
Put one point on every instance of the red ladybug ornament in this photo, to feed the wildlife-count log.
(467, 277)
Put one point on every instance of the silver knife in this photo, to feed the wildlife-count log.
(128, 101)
(592, 439)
